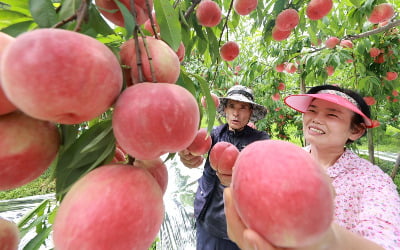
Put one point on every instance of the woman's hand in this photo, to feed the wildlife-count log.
(189, 160)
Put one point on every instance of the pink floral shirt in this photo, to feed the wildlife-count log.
(367, 202)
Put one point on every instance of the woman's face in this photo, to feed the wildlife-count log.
(328, 124)
(237, 114)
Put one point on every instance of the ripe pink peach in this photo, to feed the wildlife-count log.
(164, 59)
(5, 105)
(244, 7)
(222, 157)
(374, 52)
(281, 86)
(147, 25)
(9, 235)
(201, 143)
(294, 207)
(380, 58)
(74, 78)
(181, 52)
(390, 76)
(280, 35)
(169, 119)
(331, 42)
(280, 67)
(208, 13)
(290, 68)
(369, 100)
(229, 51)
(112, 207)
(214, 97)
(317, 9)
(381, 13)
(287, 20)
(28, 146)
(346, 43)
(276, 97)
(330, 70)
(110, 10)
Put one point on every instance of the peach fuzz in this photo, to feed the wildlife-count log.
(110, 10)
(60, 75)
(164, 59)
(9, 235)
(208, 13)
(201, 143)
(280, 192)
(28, 147)
(222, 157)
(5, 105)
(287, 20)
(169, 119)
(244, 7)
(112, 207)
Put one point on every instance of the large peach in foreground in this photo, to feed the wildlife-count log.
(112, 207)
(223, 156)
(151, 119)
(281, 193)
(28, 146)
(60, 75)
(9, 235)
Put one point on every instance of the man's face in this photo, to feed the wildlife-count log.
(237, 114)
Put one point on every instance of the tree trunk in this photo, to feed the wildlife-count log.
(371, 146)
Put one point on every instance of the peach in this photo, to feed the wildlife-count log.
(112, 207)
(280, 35)
(369, 100)
(157, 169)
(287, 20)
(381, 13)
(208, 13)
(346, 44)
(152, 119)
(276, 97)
(109, 9)
(395, 93)
(374, 52)
(201, 143)
(72, 79)
(181, 52)
(290, 68)
(281, 86)
(380, 58)
(317, 9)
(214, 97)
(252, 125)
(331, 42)
(164, 59)
(119, 156)
(147, 25)
(28, 146)
(222, 157)
(280, 67)
(229, 51)
(375, 123)
(5, 105)
(244, 7)
(280, 192)
(390, 76)
(9, 235)
(330, 70)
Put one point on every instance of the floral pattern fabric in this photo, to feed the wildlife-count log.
(366, 202)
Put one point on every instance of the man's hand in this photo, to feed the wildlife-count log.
(189, 160)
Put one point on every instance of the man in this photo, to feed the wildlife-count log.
(239, 108)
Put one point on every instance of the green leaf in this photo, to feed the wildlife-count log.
(43, 13)
(129, 21)
(98, 23)
(204, 85)
(168, 20)
(68, 8)
(19, 28)
(37, 241)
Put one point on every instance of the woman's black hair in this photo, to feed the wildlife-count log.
(357, 119)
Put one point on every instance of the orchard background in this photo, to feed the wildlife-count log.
(273, 69)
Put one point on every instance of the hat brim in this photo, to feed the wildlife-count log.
(259, 111)
(302, 102)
